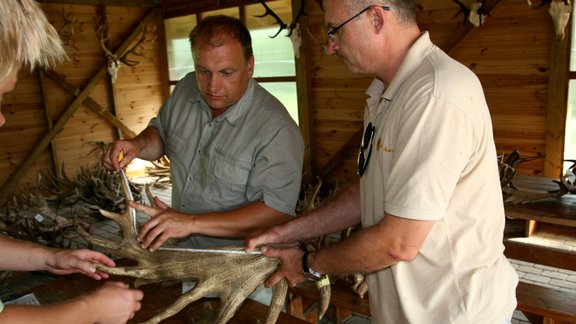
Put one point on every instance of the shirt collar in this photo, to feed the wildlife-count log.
(413, 58)
(377, 91)
(236, 113)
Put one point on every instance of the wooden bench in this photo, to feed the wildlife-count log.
(542, 304)
(546, 305)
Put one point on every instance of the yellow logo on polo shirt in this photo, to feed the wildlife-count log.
(381, 147)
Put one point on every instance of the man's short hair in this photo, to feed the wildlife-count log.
(210, 29)
(26, 38)
(405, 10)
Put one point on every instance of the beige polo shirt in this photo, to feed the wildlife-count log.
(434, 158)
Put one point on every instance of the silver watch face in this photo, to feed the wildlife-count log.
(311, 276)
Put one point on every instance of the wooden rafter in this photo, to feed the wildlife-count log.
(20, 172)
(90, 103)
(119, 3)
(49, 121)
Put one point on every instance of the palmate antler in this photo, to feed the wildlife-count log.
(232, 276)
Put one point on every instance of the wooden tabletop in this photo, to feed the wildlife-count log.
(156, 298)
(559, 211)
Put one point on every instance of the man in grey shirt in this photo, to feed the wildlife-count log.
(236, 154)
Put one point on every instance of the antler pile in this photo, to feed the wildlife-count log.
(232, 276)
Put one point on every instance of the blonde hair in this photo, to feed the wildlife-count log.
(26, 38)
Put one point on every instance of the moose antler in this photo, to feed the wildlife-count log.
(232, 276)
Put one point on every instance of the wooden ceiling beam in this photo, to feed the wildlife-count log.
(120, 3)
(176, 8)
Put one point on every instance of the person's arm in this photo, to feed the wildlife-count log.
(340, 212)
(147, 145)
(112, 303)
(19, 255)
(392, 240)
(169, 223)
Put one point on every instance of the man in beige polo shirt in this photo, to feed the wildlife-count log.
(428, 194)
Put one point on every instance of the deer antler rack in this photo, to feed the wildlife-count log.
(231, 276)
(68, 30)
(290, 27)
(114, 61)
(474, 13)
(559, 10)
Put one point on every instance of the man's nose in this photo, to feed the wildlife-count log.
(214, 82)
(331, 47)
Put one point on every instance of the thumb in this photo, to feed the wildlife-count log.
(252, 243)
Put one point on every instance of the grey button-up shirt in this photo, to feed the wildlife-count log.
(252, 152)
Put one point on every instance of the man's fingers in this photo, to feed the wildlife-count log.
(274, 279)
(159, 203)
(150, 211)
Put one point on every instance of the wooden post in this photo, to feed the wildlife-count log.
(556, 109)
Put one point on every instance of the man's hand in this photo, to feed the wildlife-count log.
(165, 223)
(290, 267)
(262, 238)
(112, 160)
(77, 261)
(113, 302)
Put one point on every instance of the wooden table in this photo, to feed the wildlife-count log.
(558, 211)
(156, 298)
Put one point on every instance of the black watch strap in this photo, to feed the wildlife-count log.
(309, 273)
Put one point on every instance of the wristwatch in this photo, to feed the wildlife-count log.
(309, 273)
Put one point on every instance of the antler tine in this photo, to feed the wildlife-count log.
(538, 5)
(297, 19)
(137, 49)
(463, 9)
(270, 12)
(102, 35)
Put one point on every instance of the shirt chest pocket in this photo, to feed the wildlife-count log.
(231, 170)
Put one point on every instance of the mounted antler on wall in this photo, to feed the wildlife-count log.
(232, 276)
(559, 10)
(475, 13)
(114, 61)
(68, 30)
(293, 28)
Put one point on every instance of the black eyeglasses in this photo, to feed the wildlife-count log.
(366, 144)
(333, 31)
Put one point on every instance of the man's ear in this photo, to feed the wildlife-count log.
(251, 65)
(377, 16)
